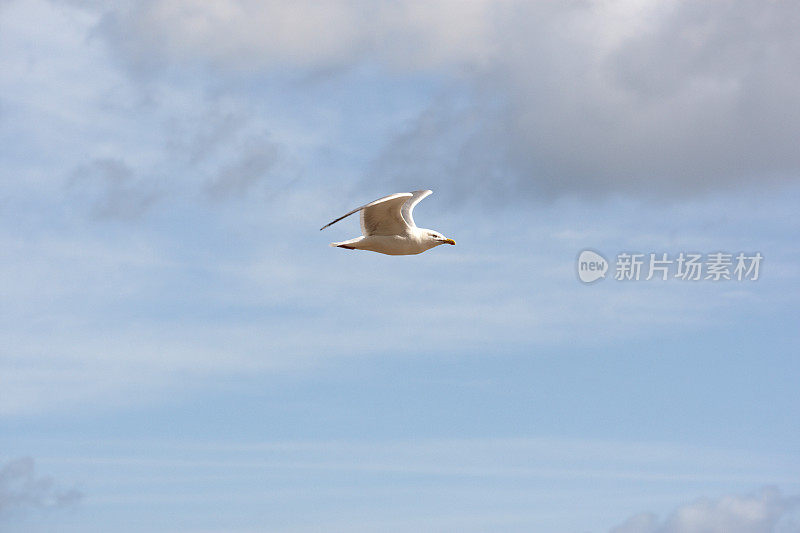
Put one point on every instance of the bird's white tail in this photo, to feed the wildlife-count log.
(349, 245)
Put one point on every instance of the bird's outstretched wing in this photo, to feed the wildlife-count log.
(408, 207)
(381, 217)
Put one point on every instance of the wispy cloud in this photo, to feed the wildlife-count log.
(99, 316)
(492, 480)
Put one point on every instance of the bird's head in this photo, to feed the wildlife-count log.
(438, 238)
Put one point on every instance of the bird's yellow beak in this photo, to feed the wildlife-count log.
(449, 241)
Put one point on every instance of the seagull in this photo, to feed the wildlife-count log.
(388, 227)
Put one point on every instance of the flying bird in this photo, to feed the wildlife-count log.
(388, 227)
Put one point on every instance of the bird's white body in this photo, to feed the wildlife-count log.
(388, 227)
(413, 242)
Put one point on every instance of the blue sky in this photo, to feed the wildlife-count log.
(180, 350)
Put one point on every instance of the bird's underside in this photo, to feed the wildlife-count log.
(388, 227)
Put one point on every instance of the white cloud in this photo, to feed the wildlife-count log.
(767, 511)
(243, 34)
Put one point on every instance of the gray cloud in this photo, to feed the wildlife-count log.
(252, 165)
(765, 512)
(545, 99)
(228, 148)
(457, 144)
(700, 98)
(112, 189)
(224, 154)
(209, 133)
(21, 488)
